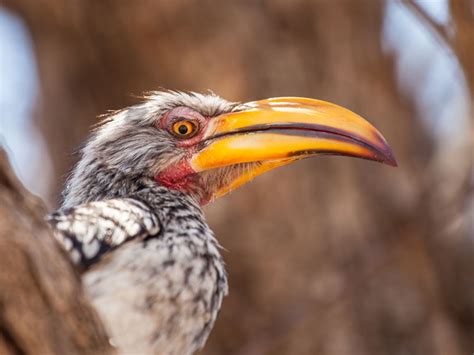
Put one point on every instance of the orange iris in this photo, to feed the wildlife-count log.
(184, 128)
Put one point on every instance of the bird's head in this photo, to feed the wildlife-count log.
(206, 146)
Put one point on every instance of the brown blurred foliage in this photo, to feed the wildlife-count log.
(330, 255)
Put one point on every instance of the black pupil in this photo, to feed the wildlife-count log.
(183, 129)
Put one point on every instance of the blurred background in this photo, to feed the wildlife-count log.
(330, 255)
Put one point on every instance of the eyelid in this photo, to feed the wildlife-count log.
(179, 114)
(193, 121)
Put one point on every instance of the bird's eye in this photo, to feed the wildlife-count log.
(184, 128)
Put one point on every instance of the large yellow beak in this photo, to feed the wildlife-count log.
(277, 131)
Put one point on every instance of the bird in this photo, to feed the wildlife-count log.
(131, 218)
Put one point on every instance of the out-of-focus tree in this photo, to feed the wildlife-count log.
(329, 256)
(42, 307)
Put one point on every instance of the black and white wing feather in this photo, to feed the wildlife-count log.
(90, 230)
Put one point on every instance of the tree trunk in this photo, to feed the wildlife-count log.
(42, 307)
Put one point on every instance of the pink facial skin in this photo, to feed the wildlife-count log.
(181, 176)
(185, 113)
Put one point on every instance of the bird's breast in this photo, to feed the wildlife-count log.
(160, 294)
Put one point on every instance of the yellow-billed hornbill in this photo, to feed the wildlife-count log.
(132, 219)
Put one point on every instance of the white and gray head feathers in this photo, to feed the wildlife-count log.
(126, 150)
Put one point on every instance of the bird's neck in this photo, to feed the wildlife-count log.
(171, 206)
(92, 180)
(175, 209)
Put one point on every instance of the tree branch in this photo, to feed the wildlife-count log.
(42, 307)
(438, 30)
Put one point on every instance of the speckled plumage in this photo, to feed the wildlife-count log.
(152, 267)
(157, 286)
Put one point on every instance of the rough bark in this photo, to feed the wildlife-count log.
(42, 307)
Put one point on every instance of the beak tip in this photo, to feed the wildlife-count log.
(387, 157)
(392, 162)
(383, 152)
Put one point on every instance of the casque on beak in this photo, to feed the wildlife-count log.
(275, 132)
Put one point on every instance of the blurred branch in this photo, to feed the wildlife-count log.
(463, 42)
(438, 30)
(42, 307)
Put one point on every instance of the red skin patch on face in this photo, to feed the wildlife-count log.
(182, 177)
(178, 177)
